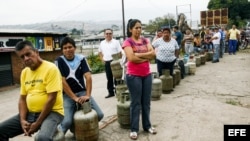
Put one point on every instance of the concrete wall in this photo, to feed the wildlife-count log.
(17, 64)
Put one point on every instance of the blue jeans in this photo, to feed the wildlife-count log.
(140, 94)
(70, 107)
(222, 48)
(198, 49)
(12, 127)
(216, 52)
(232, 46)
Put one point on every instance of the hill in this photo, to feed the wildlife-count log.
(67, 26)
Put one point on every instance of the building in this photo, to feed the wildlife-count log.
(11, 66)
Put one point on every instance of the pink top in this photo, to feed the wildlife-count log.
(137, 69)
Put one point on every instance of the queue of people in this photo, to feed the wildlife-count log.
(50, 93)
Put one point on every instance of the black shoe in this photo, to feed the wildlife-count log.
(110, 95)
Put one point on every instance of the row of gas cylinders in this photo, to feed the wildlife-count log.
(163, 84)
(86, 127)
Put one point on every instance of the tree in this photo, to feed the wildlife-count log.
(159, 22)
(238, 10)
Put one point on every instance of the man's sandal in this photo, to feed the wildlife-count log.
(133, 135)
(152, 130)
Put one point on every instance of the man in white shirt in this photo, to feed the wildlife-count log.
(108, 47)
(216, 44)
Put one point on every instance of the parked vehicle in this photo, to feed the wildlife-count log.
(245, 39)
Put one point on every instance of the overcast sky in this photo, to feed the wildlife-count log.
(14, 12)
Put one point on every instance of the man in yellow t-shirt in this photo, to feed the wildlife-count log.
(233, 35)
(40, 102)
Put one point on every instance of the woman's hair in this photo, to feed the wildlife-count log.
(130, 25)
(67, 40)
(168, 29)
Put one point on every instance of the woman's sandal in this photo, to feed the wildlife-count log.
(152, 130)
(133, 135)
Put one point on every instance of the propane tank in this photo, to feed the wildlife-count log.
(120, 88)
(156, 86)
(116, 67)
(123, 111)
(167, 81)
(86, 123)
(197, 61)
(192, 67)
(203, 59)
(178, 75)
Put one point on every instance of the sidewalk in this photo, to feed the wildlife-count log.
(197, 109)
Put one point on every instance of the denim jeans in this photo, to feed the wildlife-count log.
(232, 46)
(208, 47)
(216, 54)
(140, 94)
(70, 107)
(12, 126)
(222, 48)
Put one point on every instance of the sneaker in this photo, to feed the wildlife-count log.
(133, 135)
(152, 130)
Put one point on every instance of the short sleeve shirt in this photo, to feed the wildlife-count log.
(137, 69)
(107, 48)
(38, 84)
(165, 50)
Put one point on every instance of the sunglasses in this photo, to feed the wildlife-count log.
(108, 33)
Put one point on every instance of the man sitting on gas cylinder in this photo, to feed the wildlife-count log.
(73, 68)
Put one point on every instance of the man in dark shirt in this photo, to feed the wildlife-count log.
(74, 68)
(177, 35)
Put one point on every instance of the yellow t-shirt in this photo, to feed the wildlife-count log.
(233, 34)
(39, 83)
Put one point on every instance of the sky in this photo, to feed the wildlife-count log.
(13, 12)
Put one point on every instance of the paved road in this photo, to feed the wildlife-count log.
(196, 110)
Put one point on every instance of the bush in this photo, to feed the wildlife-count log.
(95, 63)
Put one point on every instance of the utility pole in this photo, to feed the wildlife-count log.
(123, 20)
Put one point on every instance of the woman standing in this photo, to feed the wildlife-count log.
(167, 50)
(138, 51)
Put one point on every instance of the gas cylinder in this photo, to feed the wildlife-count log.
(156, 86)
(197, 61)
(186, 66)
(203, 59)
(116, 67)
(86, 123)
(120, 88)
(209, 56)
(167, 81)
(192, 67)
(123, 111)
